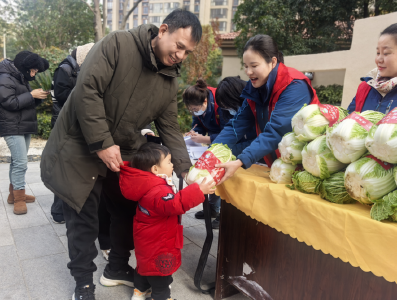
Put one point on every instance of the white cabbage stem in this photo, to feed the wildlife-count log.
(382, 142)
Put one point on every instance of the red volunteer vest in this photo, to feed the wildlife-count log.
(285, 76)
(213, 91)
(362, 94)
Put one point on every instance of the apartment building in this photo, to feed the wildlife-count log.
(154, 12)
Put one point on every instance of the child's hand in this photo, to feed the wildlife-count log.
(207, 187)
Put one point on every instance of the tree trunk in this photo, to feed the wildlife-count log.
(366, 8)
(126, 16)
(377, 7)
(105, 16)
(98, 21)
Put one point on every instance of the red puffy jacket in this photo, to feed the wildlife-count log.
(158, 233)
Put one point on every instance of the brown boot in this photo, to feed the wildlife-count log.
(19, 202)
(10, 199)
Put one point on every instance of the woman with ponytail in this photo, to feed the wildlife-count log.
(209, 118)
(273, 95)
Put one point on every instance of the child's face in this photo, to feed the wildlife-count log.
(166, 167)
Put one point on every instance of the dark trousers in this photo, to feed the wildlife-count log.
(160, 285)
(83, 229)
(57, 206)
(104, 220)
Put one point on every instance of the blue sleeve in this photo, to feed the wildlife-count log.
(222, 123)
(237, 127)
(352, 106)
(240, 146)
(291, 100)
(199, 128)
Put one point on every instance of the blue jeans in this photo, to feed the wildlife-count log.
(19, 146)
(215, 202)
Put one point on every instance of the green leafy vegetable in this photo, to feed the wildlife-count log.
(333, 189)
(305, 182)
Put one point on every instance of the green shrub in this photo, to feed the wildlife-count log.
(331, 94)
(54, 56)
(44, 125)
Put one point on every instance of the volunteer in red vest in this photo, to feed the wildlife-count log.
(207, 116)
(378, 90)
(210, 119)
(273, 95)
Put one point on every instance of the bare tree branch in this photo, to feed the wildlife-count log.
(88, 6)
(126, 16)
(105, 16)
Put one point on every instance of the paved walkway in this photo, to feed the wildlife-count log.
(33, 252)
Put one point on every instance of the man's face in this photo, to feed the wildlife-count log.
(175, 47)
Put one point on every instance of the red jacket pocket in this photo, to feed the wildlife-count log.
(179, 237)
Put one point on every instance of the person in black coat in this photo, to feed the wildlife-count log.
(18, 119)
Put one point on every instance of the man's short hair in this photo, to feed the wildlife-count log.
(148, 155)
(181, 18)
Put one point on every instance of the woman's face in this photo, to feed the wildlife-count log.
(194, 109)
(256, 67)
(33, 72)
(386, 56)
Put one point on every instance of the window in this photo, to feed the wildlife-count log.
(218, 2)
(110, 5)
(135, 23)
(234, 10)
(222, 26)
(169, 7)
(145, 10)
(156, 20)
(156, 8)
(128, 26)
(197, 8)
(197, 15)
(144, 22)
(236, 2)
(186, 3)
(220, 13)
(136, 11)
(110, 16)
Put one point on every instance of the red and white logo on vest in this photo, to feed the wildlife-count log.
(330, 112)
(390, 118)
(207, 161)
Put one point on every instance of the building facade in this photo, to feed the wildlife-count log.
(154, 12)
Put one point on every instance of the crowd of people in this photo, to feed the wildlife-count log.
(112, 184)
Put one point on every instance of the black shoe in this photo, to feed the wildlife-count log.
(200, 214)
(112, 278)
(57, 218)
(215, 223)
(84, 293)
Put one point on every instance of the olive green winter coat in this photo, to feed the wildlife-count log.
(118, 92)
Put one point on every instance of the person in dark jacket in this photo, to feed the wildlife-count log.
(18, 120)
(65, 77)
(64, 81)
(273, 96)
(128, 80)
(378, 90)
(210, 117)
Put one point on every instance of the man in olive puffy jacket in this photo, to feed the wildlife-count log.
(127, 81)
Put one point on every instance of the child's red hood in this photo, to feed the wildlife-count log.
(134, 183)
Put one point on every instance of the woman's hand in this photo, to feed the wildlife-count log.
(230, 168)
(39, 94)
(199, 138)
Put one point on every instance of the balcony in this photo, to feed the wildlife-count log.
(219, 3)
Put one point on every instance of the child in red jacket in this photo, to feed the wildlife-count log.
(158, 233)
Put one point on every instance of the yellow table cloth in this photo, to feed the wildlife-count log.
(344, 231)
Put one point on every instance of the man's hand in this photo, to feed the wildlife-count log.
(230, 167)
(111, 157)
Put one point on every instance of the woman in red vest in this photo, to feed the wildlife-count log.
(273, 96)
(378, 90)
